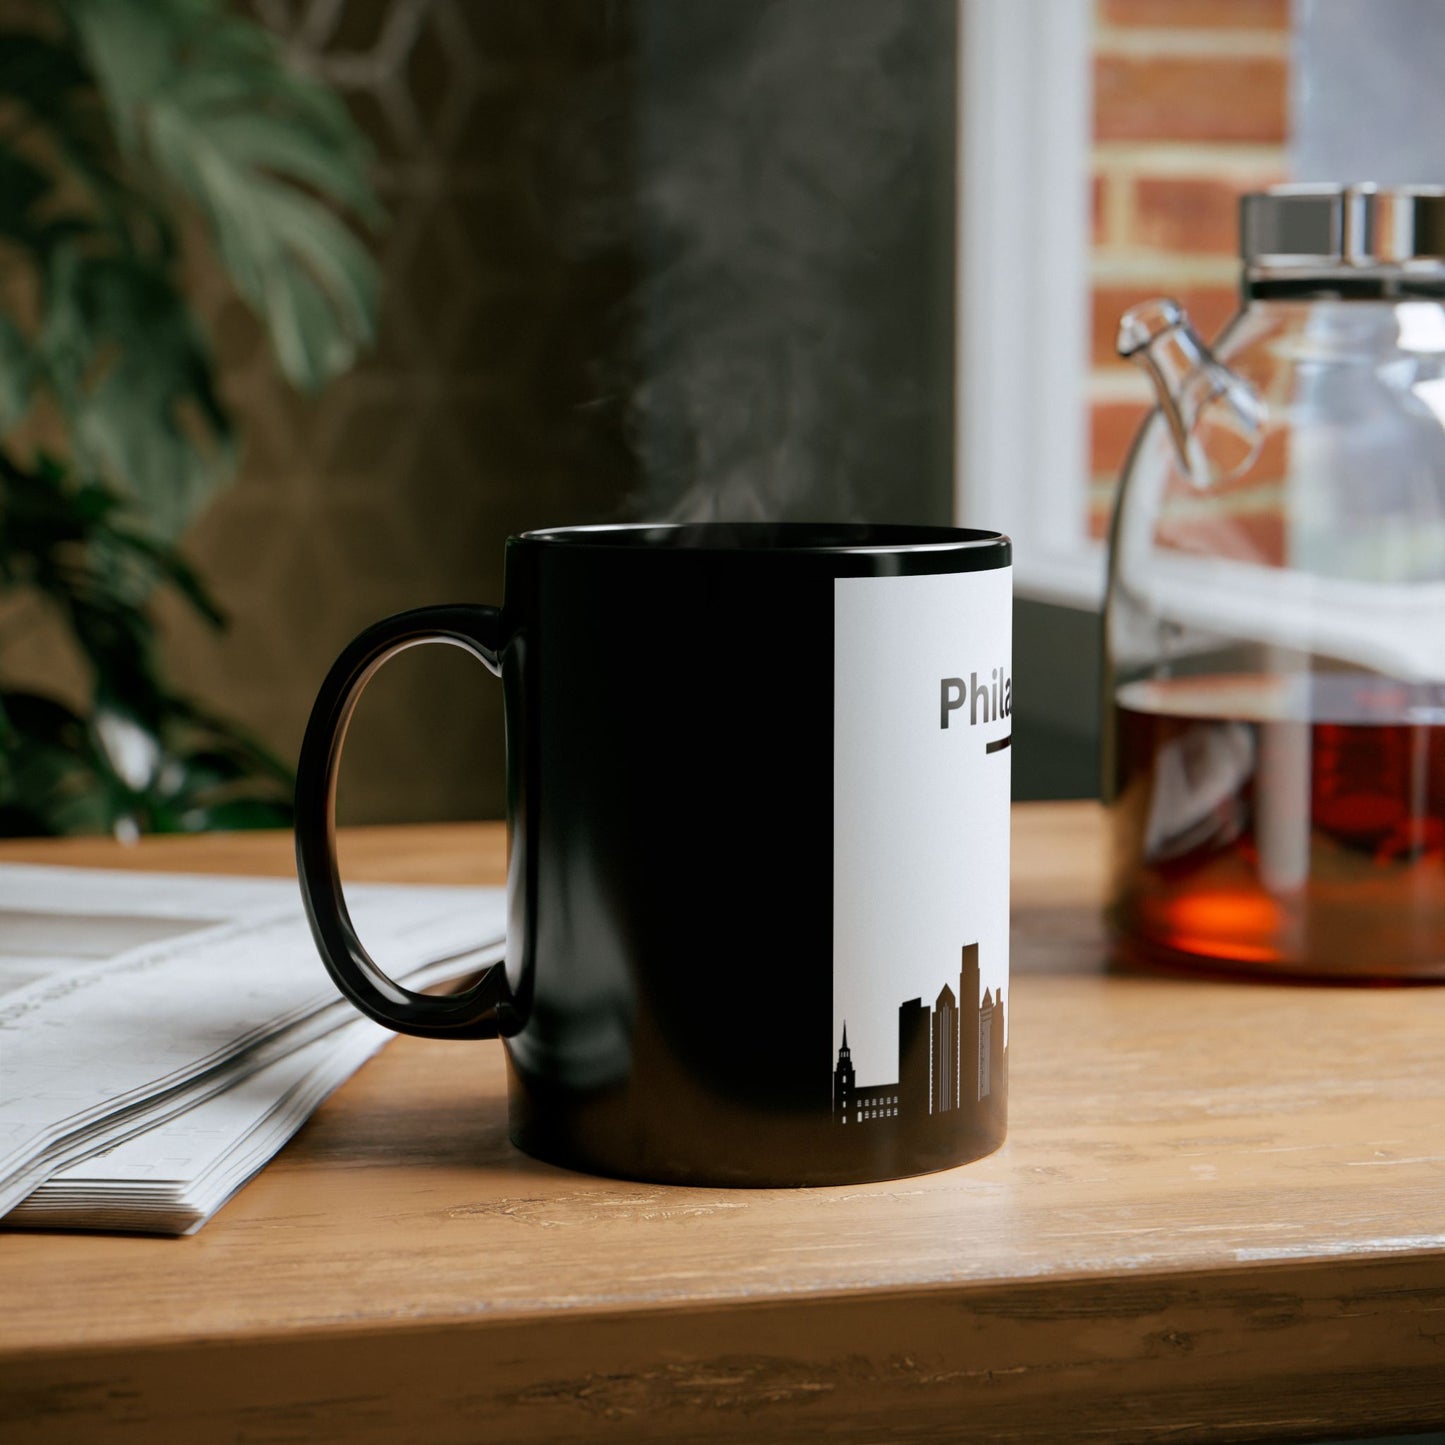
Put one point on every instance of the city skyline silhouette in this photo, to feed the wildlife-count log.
(947, 1059)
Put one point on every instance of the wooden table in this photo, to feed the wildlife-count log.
(1220, 1214)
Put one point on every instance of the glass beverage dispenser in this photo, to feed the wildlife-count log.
(1275, 624)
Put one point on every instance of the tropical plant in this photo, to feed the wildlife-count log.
(128, 129)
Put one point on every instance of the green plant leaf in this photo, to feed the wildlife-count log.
(61, 773)
(262, 150)
(74, 546)
(134, 378)
(112, 117)
(224, 737)
(37, 72)
(41, 719)
(53, 95)
(22, 185)
(17, 369)
(169, 566)
(49, 783)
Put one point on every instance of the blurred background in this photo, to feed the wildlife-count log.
(630, 258)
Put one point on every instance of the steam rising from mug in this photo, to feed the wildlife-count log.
(789, 347)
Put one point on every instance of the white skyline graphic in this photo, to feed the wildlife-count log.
(921, 812)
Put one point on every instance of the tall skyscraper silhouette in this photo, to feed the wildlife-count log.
(983, 1079)
(969, 989)
(913, 1061)
(997, 1054)
(944, 1093)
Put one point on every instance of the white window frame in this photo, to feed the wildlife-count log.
(1021, 444)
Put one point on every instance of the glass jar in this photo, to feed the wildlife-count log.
(1275, 622)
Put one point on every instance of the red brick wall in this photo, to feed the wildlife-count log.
(1190, 110)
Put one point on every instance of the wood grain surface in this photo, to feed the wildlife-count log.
(1220, 1214)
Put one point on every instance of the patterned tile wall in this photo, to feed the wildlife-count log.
(644, 257)
(479, 414)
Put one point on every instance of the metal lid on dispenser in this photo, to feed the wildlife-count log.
(1342, 230)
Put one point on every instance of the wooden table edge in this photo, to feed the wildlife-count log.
(1020, 1356)
(1263, 1273)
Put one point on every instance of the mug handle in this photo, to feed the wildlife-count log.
(471, 1014)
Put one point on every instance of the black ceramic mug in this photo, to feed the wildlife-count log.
(758, 790)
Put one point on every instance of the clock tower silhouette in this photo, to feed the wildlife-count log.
(843, 1078)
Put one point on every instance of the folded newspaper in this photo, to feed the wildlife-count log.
(161, 1036)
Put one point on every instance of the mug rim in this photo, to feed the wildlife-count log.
(770, 538)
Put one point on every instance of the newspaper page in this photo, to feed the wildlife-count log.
(129, 999)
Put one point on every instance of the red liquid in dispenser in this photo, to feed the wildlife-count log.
(1281, 825)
